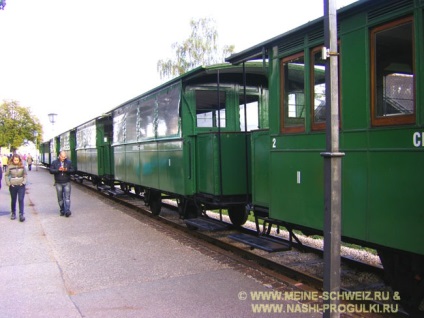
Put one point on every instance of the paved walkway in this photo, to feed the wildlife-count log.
(101, 262)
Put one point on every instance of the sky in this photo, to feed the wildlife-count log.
(80, 59)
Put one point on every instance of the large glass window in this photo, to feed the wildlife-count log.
(293, 93)
(146, 119)
(252, 113)
(118, 126)
(86, 135)
(131, 122)
(168, 112)
(65, 142)
(210, 108)
(392, 67)
(318, 89)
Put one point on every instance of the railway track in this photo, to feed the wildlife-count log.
(288, 269)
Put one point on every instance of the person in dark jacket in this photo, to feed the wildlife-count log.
(62, 170)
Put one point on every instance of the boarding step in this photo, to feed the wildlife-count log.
(103, 187)
(115, 192)
(264, 243)
(206, 224)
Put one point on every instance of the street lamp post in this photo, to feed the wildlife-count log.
(52, 119)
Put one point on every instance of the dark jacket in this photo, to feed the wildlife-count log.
(61, 176)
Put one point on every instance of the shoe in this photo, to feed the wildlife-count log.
(21, 218)
(68, 214)
(12, 215)
(62, 213)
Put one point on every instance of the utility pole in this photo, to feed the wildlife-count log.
(332, 165)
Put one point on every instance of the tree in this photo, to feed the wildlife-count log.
(200, 48)
(17, 124)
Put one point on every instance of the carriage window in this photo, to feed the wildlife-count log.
(146, 119)
(168, 112)
(252, 113)
(293, 94)
(210, 109)
(393, 96)
(131, 123)
(318, 89)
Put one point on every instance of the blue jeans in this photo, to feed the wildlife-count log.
(17, 192)
(63, 191)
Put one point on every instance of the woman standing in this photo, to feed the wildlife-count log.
(15, 177)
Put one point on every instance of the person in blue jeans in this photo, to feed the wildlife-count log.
(62, 169)
(16, 178)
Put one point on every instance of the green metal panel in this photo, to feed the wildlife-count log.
(73, 153)
(395, 196)
(233, 158)
(119, 162)
(355, 82)
(93, 161)
(104, 149)
(148, 165)
(355, 194)
(132, 164)
(189, 153)
(171, 166)
(260, 167)
(207, 168)
(87, 160)
(81, 160)
(296, 187)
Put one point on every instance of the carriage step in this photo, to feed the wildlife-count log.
(103, 187)
(114, 192)
(264, 243)
(206, 224)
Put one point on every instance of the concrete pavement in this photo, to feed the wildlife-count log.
(101, 262)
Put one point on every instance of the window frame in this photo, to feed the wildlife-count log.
(297, 128)
(319, 126)
(398, 119)
(314, 125)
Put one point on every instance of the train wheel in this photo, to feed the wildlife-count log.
(155, 202)
(403, 272)
(238, 215)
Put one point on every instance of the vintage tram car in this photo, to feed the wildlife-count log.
(189, 139)
(381, 89)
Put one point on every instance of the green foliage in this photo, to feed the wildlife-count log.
(200, 48)
(17, 124)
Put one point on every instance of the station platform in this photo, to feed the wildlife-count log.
(102, 262)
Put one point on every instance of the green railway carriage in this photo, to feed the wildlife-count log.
(189, 139)
(93, 152)
(381, 83)
(44, 150)
(54, 149)
(67, 142)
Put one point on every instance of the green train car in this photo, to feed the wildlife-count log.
(49, 150)
(44, 150)
(188, 139)
(67, 142)
(93, 158)
(381, 89)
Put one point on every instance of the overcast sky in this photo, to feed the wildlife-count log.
(79, 59)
